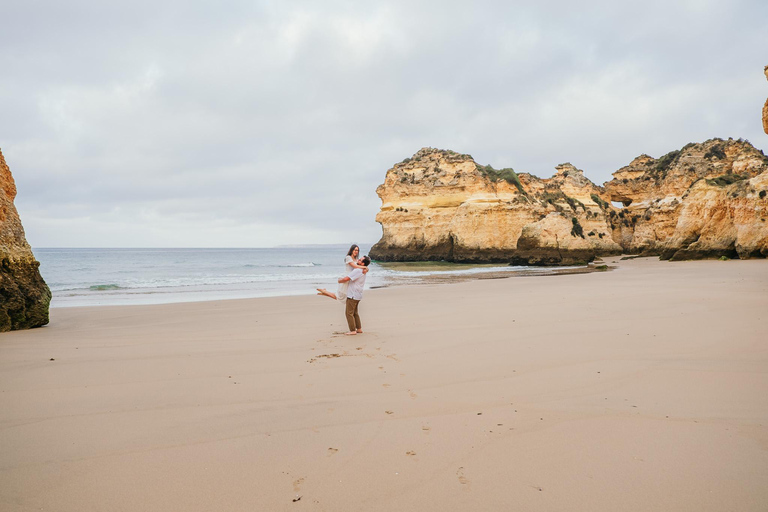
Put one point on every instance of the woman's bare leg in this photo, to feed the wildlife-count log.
(323, 291)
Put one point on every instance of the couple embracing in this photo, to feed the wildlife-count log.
(350, 290)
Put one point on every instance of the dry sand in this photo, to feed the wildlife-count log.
(644, 388)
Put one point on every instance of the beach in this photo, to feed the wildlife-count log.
(641, 388)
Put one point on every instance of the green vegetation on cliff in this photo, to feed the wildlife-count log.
(577, 230)
(507, 174)
(726, 179)
(602, 204)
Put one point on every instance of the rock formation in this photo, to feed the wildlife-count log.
(441, 205)
(24, 296)
(705, 200)
(765, 107)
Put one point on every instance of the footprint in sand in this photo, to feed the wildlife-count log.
(332, 451)
(389, 412)
(462, 479)
(386, 385)
(426, 429)
(297, 484)
(410, 453)
(412, 394)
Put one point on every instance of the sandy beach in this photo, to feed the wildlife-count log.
(642, 388)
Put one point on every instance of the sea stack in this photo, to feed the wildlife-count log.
(442, 205)
(706, 200)
(24, 296)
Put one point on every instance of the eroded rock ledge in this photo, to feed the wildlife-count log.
(705, 200)
(24, 296)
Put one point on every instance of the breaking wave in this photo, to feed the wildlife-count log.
(104, 287)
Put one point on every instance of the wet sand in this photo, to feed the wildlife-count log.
(643, 388)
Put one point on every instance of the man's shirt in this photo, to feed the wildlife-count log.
(356, 284)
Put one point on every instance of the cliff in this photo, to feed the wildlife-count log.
(24, 296)
(701, 201)
(705, 200)
(442, 205)
(765, 107)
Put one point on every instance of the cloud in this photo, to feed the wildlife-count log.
(191, 124)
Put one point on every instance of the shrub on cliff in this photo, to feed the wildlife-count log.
(665, 162)
(602, 204)
(577, 230)
(726, 179)
(554, 199)
(716, 151)
(507, 174)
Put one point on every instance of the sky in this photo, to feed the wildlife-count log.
(267, 123)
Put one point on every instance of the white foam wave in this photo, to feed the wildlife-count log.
(294, 265)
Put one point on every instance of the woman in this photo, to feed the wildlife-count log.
(350, 263)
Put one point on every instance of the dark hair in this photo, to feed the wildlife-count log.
(352, 249)
(366, 260)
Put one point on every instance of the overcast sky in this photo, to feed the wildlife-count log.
(260, 123)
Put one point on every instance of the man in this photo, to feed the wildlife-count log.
(356, 280)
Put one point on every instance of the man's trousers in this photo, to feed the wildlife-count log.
(353, 319)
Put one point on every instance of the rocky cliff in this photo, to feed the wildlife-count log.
(704, 200)
(765, 107)
(24, 296)
(442, 205)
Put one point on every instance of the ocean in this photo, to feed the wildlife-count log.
(102, 277)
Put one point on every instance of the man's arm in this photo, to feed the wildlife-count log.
(355, 274)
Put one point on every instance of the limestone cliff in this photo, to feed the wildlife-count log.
(705, 200)
(442, 205)
(24, 296)
(765, 107)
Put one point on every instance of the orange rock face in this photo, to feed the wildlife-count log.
(765, 107)
(722, 220)
(765, 117)
(705, 200)
(690, 198)
(24, 296)
(441, 205)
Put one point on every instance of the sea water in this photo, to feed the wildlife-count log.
(89, 277)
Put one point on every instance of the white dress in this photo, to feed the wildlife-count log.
(341, 291)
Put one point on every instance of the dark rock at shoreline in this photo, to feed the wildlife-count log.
(24, 296)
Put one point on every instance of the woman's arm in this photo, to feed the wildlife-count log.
(351, 263)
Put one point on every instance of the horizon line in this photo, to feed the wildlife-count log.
(284, 246)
